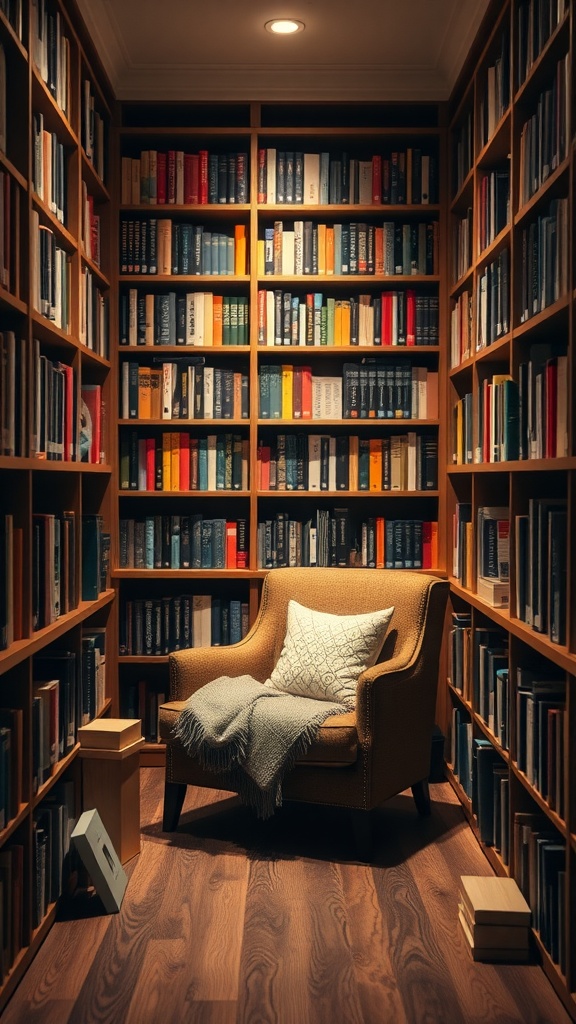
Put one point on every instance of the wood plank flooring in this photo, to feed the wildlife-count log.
(235, 921)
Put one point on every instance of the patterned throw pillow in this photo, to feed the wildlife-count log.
(324, 654)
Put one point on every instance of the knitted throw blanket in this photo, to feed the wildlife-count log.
(252, 733)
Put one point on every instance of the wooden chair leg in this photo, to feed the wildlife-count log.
(421, 794)
(174, 793)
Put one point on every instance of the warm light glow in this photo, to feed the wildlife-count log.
(284, 26)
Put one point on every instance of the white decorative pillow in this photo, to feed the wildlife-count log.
(324, 654)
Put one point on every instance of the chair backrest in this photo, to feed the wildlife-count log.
(347, 591)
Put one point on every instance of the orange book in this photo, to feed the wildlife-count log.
(321, 248)
(329, 246)
(432, 395)
(144, 393)
(378, 250)
(306, 392)
(184, 466)
(231, 545)
(380, 542)
(166, 461)
(338, 322)
(375, 464)
(237, 396)
(217, 319)
(346, 330)
(353, 447)
(155, 393)
(287, 391)
(175, 461)
(239, 249)
(263, 467)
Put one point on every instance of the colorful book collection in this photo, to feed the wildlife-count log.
(335, 538)
(182, 389)
(183, 318)
(535, 23)
(183, 542)
(369, 390)
(49, 168)
(493, 301)
(397, 177)
(319, 462)
(54, 588)
(544, 247)
(392, 318)
(158, 245)
(153, 627)
(461, 329)
(304, 247)
(50, 273)
(180, 461)
(159, 177)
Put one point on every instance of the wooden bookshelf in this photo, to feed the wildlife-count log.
(531, 342)
(264, 132)
(51, 350)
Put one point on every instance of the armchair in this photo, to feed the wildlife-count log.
(361, 758)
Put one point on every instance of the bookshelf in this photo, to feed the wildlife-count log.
(332, 431)
(510, 400)
(57, 600)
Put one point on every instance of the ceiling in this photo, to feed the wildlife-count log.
(219, 50)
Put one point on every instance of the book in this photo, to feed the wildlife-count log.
(110, 733)
(100, 859)
(489, 899)
(505, 953)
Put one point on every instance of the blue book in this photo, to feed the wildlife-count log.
(235, 622)
(149, 542)
(202, 463)
(275, 375)
(206, 545)
(206, 257)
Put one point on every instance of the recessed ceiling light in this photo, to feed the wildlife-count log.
(284, 26)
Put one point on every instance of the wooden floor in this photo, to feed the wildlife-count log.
(234, 921)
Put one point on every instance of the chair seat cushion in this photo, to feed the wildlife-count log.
(336, 743)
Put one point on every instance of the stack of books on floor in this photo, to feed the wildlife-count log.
(495, 918)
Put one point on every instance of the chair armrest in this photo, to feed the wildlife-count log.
(196, 666)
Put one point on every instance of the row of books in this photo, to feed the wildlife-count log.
(535, 23)
(183, 542)
(494, 206)
(11, 569)
(12, 894)
(401, 318)
(544, 248)
(12, 760)
(541, 556)
(478, 669)
(160, 246)
(495, 100)
(493, 301)
(49, 168)
(94, 308)
(52, 825)
(180, 461)
(544, 136)
(90, 227)
(69, 691)
(15, 386)
(373, 389)
(50, 274)
(319, 462)
(93, 130)
(143, 700)
(394, 177)
(51, 52)
(182, 389)
(154, 627)
(463, 151)
(484, 777)
(462, 246)
(335, 538)
(461, 328)
(304, 247)
(183, 318)
(12, 10)
(54, 588)
(540, 723)
(10, 224)
(540, 869)
(158, 177)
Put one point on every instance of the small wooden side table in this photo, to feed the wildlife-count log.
(111, 779)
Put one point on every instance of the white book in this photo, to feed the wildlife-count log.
(365, 182)
(167, 389)
(314, 447)
(270, 317)
(270, 175)
(332, 464)
(198, 336)
(312, 178)
(202, 620)
(211, 460)
(208, 392)
(298, 247)
(288, 260)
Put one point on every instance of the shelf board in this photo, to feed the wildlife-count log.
(21, 650)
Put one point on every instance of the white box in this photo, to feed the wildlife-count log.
(100, 859)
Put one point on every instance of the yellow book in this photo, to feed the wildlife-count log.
(321, 248)
(166, 461)
(217, 319)
(239, 249)
(287, 391)
(346, 327)
(338, 322)
(353, 463)
(260, 257)
(375, 464)
(144, 393)
(175, 461)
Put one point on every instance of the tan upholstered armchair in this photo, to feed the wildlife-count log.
(360, 758)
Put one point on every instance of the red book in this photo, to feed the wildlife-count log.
(297, 393)
(264, 468)
(161, 178)
(203, 177)
(231, 545)
(184, 462)
(387, 318)
(380, 551)
(262, 191)
(306, 392)
(150, 463)
(426, 545)
(551, 400)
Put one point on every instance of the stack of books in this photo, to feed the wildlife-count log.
(495, 918)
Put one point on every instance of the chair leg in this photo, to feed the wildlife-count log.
(174, 793)
(362, 825)
(421, 794)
